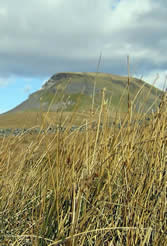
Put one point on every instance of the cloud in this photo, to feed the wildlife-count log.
(27, 89)
(2, 110)
(4, 82)
(39, 38)
(157, 78)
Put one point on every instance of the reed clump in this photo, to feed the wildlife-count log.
(105, 185)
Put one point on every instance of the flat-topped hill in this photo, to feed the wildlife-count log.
(77, 91)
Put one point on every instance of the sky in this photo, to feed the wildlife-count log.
(40, 38)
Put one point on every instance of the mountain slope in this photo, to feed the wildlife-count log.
(73, 91)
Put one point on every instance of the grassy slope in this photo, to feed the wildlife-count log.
(31, 119)
(78, 88)
(116, 88)
(79, 91)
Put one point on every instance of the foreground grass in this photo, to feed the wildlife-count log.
(105, 186)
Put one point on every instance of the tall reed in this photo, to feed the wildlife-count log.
(105, 185)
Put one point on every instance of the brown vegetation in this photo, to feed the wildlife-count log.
(105, 186)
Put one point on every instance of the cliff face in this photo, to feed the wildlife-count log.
(69, 91)
(70, 82)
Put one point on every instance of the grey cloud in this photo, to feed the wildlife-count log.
(39, 38)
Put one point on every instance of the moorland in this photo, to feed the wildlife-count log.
(105, 185)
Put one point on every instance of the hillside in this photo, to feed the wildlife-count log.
(74, 91)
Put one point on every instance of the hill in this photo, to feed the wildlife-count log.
(74, 91)
(65, 93)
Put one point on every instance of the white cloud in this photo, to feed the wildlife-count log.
(27, 89)
(2, 110)
(157, 78)
(4, 82)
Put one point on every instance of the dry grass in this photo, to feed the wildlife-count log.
(32, 119)
(97, 187)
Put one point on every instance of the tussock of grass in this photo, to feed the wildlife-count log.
(102, 186)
